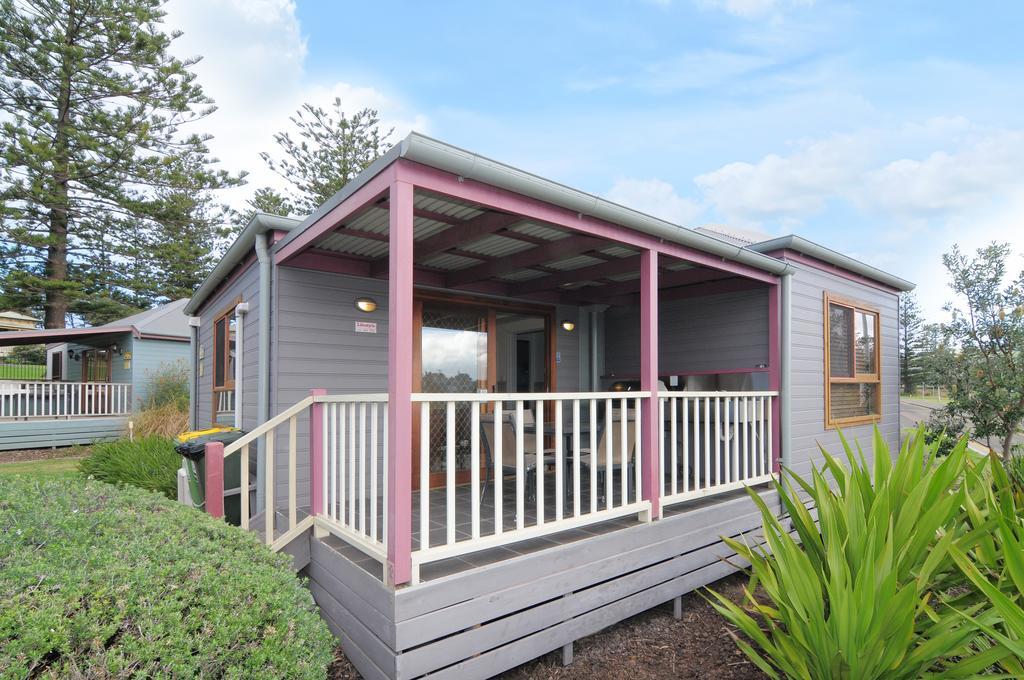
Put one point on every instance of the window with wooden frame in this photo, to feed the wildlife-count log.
(224, 351)
(853, 376)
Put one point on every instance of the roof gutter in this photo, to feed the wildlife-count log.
(421, 149)
(832, 257)
(261, 223)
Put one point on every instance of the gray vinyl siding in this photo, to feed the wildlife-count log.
(149, 358)
(807, 373)
(245, 286)
(315, 345)
(567, 345)
(726, 331)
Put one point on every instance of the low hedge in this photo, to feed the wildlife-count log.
(147, 462)
(105, 581)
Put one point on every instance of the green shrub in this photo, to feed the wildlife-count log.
(101, 581)
(148, 462)
(168, 385)
(853, 596)
(943, 430)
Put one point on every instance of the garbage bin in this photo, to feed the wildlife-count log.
(191, 446)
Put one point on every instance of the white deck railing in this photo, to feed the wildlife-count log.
(713, 442)
(56, 400)
(589, 436)
(355, 445)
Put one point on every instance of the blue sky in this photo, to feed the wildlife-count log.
(888, 131)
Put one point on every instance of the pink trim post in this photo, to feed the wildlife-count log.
(316, 453)
(649, 412)
(775, 372)
(213, 486)
(400, 352)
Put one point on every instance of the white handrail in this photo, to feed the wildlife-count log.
(524, 396)
(269, 425)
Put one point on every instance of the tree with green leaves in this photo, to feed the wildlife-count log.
(910, 321)
(330, 149)
(96, 166)
(266, 200)
(986, 373)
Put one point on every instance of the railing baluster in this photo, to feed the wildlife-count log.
(351, 451)
(450, 471)
(760, 436)
(707, 443)
(362, 467)
(746, 440)
(373, 470)
(292, 456)
(575, 457)
(595, 462)
(474, 469)
(538, 441)
(674, 442)
(609, 442)
(342, 436)
(333, 469)
(243, 479)
(686, 443)
(559, 466)
(624, 450)
(520, 472)
(268, 510)
(497, 453)
(425, 475)
(770, 440)
(637, 457)
(718, 440)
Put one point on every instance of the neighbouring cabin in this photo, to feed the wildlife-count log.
(91, 379)
(489, 415)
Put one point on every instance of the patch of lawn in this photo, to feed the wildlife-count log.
(50, 468)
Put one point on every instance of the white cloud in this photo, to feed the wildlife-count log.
(976, 165)
(790, 187)
(253, 56)
(655, 197)
(751, 9)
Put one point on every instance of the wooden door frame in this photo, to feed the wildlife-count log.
(548, 312)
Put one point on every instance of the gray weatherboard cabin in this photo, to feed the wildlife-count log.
(502, 414)
(95, 378)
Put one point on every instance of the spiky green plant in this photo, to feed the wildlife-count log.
(992, 559)
(852, 594)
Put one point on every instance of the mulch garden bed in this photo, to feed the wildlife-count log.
(650, 645)
(25, 455)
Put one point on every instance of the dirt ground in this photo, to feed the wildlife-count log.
(647, 646)
(25, 455)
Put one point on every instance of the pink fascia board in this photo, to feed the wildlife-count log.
(829, 268)
(366, 194)
(448, 184)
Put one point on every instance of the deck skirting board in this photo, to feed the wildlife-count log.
(341, 623)
(46, 433)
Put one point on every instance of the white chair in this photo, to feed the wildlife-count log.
(508, 452)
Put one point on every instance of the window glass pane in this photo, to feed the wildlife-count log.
(218, 352)
(866, 343)
(840, 343)
(230, 375)
(854, 400)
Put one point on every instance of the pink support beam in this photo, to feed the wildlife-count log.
(316, 453)
(400, 353)
(441, 182)
(328, 222)
(775, 371)
(650, 431)
(213, 484)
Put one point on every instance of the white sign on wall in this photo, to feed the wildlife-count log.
(366, 326)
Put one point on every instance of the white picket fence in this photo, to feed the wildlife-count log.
(56, 400)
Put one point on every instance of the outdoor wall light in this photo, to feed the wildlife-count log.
(365, 304)
(72, 355)
(569, 326)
